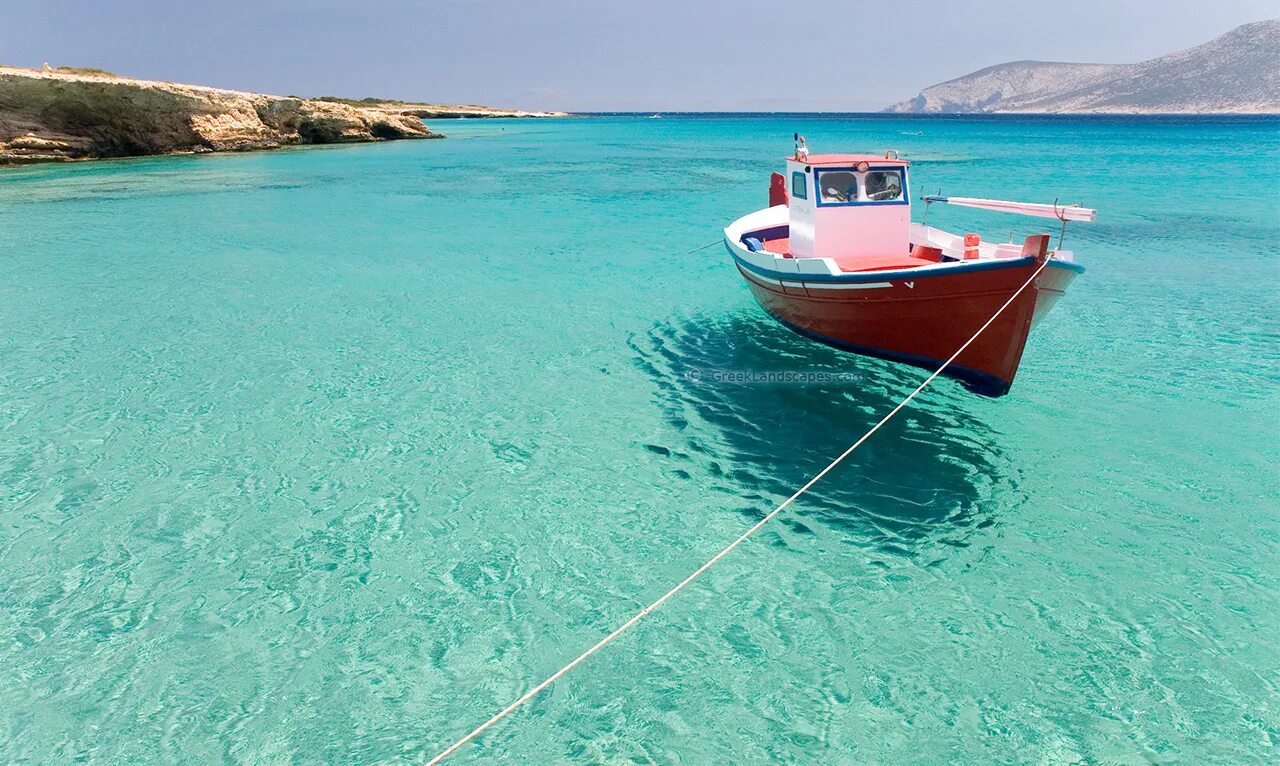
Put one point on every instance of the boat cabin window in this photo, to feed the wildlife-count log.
(838, 185)
(883, 185)
(799, 186)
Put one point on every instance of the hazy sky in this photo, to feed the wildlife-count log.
(585, 55)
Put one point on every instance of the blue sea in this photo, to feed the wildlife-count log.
(323, 456)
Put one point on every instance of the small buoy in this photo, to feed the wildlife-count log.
(971, 242)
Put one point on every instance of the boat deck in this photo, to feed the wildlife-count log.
(782, 246)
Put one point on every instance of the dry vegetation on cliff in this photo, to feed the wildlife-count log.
(75, 113)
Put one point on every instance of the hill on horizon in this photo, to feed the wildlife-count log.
(1236, 73)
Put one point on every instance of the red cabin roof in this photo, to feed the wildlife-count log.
(850, 159)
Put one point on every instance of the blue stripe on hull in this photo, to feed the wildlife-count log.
(1068, 265)
(957, 267)
(886, 275)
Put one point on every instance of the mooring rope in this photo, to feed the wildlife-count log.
(704, 247)
(638, 616)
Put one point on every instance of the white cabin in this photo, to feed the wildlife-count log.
(848, 206)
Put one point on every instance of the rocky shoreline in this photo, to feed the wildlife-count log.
(66, 115)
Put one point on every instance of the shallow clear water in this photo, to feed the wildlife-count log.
(323, 456)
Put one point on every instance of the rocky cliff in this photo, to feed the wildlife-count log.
(987, 89)
(69, 115)
(1238, 72)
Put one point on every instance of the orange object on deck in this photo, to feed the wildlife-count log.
(971, 242)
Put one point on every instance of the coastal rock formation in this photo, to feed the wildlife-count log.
(1235, 73)
(446, 112)
(439, 111)
(51, 115)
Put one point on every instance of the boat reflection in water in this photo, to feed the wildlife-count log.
(929, 478)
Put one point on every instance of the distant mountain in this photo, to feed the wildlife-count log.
(1238, 72)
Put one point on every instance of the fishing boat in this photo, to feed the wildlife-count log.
(836, 258)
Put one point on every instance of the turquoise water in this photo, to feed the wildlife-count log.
(323, 456)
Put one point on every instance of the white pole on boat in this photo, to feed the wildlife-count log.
(624, 627)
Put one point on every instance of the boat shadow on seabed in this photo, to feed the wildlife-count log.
(932, 476)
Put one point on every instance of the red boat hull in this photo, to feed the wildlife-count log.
(923, 320)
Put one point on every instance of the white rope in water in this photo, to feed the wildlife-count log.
(704, 247)
(624, 627)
